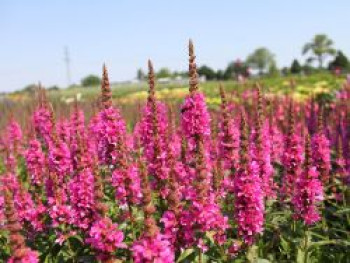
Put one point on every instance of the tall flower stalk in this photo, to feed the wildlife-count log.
(249, 196)
(19, 251)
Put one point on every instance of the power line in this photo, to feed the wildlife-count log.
(67, 61)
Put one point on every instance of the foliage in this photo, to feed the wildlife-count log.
(340, 62)
(235, 69)
(295, 67)
(91, 81)
(140, 75)
(320, 47)
(164, 73)
(260, 59)
(206, 71)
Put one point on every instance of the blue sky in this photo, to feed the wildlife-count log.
(125, 33)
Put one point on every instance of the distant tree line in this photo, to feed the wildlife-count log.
(260, 62)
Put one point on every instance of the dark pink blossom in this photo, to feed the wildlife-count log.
(155, 249)
(105, 237)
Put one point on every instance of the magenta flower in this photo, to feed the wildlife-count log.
(105, 236)
(27, 211)
(249, 196)
(59, 211)
(132, 191)
(228, 136)
(59, 160)
(249, 202)
(309, 194)
(228, 143)
(292, 158)
(261, 154)
(63, 128)
(155, 249)
(81, 195)
(42, 120)
(195, 121)
(27, 256)
(14, 134)
(308, 191)
(35, 161)
(321, 155)
(110, 129)
(276, 138)
(145, 129)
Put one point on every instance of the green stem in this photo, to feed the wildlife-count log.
(200, 256)
(132, 222)
(306, 244)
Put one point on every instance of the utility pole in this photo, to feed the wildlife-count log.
(67, 61)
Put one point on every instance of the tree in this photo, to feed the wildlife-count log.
(91, 80)
(295, 67)
(206, 71)
(285, 71)
(220, 74)
(273, 70)
(31, 88)
(140, 75)
(320, 47)
(236, 68)
(164, 73)
(308, 69)
(340, 62)
(261, 59)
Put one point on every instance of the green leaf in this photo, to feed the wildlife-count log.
(262, 260)
(252, 254)
(329, 242)
(185, 254)
(285, 245)
(300, 256)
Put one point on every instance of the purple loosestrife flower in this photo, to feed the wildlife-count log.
(292, 158)
(153, 250)
(43, 124)
(109, 127)
(27, 212)
(340, 164)
(59, 160)
(152, 131)
(228, 136)
(63, 128)
(130, 192)
(105, 237)
(276, 138)
(35, 161)
(195, 118)
(321, 156)
(82, 150)
(25, 255)
(308, 191)
(59, 210)
(145, 127)
(81, 195)
(152, 246)
(204, 212)
(260, 149)
(249, 196)
(14, 134)
(321, 152)
(19, 251)
(195, 121)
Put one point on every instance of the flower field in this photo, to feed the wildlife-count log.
(257, 174)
